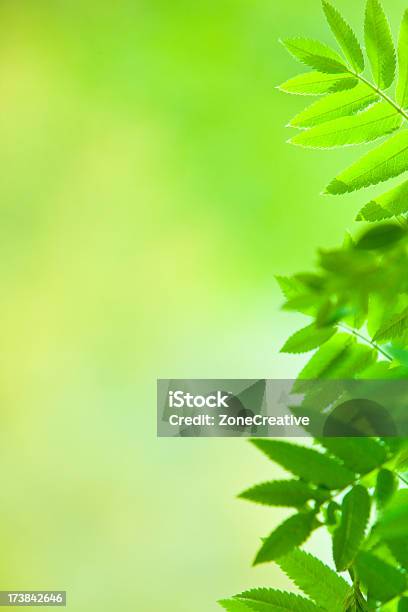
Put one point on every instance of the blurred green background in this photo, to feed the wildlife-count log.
(147, 200)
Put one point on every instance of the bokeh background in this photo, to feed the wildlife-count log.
(147, 200)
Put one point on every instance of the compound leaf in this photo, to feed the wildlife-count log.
(379, 44)
(387, 160)
(366, 126)
(316, 55)
(292, 532)
(307, 463)
(316, 580)
(355, 511)
(307, 339)
(341, 104)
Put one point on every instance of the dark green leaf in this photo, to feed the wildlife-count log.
(383, 581)
(385, 488)
(394, 521)
(399, 550)
(307, 463)
(380, 237)
(292, 532)
(361, 455)
(403, 604)
(355, 512)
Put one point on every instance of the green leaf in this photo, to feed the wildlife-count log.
(234, 605)
(390, 204)
(403, 604)
(379, 44)
(387, 160)
(307, 463)
(345, 37)
(316, 55)
(399, 550)
(287, 493)
(340, 358)
(307, 339)
(355, 512)
(402, 87)
(271, 600)
(316, 580)
(361, 455)
(366, 126)
(292, 532)
(383, 581)
(380, 237)
(317, 84)
(394, 327)
(385, 488)
(341, 104)
(393, 522)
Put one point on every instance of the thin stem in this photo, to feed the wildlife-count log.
(374, 345)
(381, 94)
(402, 478)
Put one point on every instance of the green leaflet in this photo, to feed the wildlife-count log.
(399, 550)
(345, 37)
(390, 204)
(234, 605)
(317, 84)
(341, 104)
(341, 358)
(271, 600)
(387, 160)
(307, 339)
(380, 237)
(366, 126)
(403, 604)
(292, 532)
(287, 493)
(360, 455)
(393, 327)
(307, 463)
(355, 512)
(402, 87)
(316, 55)
(316, 580)
(379, 44)
(393, 522)
(385, 488)
(383, 581)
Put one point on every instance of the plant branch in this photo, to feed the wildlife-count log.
(381, 93)
(374, 345)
